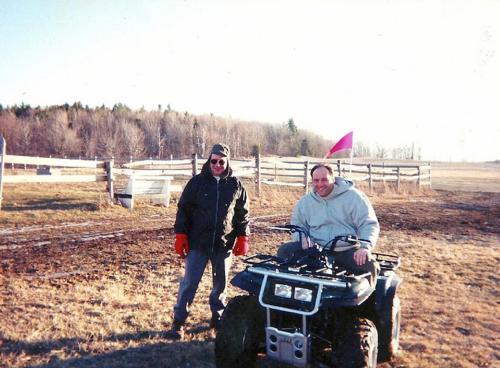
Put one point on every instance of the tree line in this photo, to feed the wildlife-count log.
(82, 131)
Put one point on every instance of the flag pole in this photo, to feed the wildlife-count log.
(350, 164)
(352, 154)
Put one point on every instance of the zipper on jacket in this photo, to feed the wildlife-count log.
(216, 215)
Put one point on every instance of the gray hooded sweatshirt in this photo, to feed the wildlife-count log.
(345, 211)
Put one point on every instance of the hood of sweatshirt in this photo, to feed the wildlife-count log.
(345, 211)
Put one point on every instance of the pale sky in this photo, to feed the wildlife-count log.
(395, 72)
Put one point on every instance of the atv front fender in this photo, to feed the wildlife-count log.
(387, 285)
(248, 281)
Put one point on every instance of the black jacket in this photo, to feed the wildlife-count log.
(213, 213)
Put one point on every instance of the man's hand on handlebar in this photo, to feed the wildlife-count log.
(361, 255)
(306, 242)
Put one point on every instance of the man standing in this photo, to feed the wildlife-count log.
(336, 208)
(211, 225)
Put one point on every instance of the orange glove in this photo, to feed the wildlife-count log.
(241, 247)
(181, 245)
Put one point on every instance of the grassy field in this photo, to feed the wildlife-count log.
(466, 177)
(87, 284)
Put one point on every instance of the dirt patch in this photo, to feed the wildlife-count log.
(99, 293)
(442, 212)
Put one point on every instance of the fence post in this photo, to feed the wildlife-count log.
(195, 164)
(338, 167)
(109, 173)
(430, 182)
(399, 179)
(370, 178)
(306, 178)
(2, 152)
(418, 177)
(257, 181)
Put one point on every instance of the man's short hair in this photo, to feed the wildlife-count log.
(326, 166)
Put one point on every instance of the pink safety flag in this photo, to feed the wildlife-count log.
(344, 143)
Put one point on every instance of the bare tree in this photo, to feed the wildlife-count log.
(381, 152)
(403, 152)
(109, 137)
(60, 138)
(133, 139)
(12, 129)
(361, 149)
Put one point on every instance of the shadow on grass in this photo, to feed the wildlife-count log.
(60, 204)
(167, 353)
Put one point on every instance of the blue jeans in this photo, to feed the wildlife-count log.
(195, 264)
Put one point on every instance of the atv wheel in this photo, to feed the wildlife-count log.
(389, 334)
(240, 332)
(357, 345)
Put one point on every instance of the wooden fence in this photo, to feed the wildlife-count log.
(264, 171)
(288, 172)
(2, 152)
(272, 171)
(102, 170)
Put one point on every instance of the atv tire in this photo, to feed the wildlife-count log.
(240, 332)
(389, 334)
(357, 345)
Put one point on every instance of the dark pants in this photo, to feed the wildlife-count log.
(195, 264)
(346, 259)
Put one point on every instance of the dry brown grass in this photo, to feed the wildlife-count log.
(94, 286)
(466, 177)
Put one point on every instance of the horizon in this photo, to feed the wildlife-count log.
(394, 73)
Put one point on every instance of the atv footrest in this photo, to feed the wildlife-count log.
(290, 348)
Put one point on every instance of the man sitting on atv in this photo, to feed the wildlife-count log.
(336, 208)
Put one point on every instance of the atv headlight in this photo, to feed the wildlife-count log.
(282, 290)
(304, 295)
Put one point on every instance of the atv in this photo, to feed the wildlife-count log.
(310, 312)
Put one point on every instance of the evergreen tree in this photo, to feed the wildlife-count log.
(305, 150)
(292, 127)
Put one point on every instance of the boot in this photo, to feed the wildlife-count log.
(176, 332)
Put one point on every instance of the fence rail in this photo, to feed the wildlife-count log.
(264, 170)
(274, 172)
(59, 162)
(12, 179)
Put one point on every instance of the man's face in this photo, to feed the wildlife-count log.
(322, 181)
(217, 164)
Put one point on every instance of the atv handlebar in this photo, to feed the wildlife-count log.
(329, 246)
(290, 228)
(319, 255)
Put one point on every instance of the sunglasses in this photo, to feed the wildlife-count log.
(221, 162)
